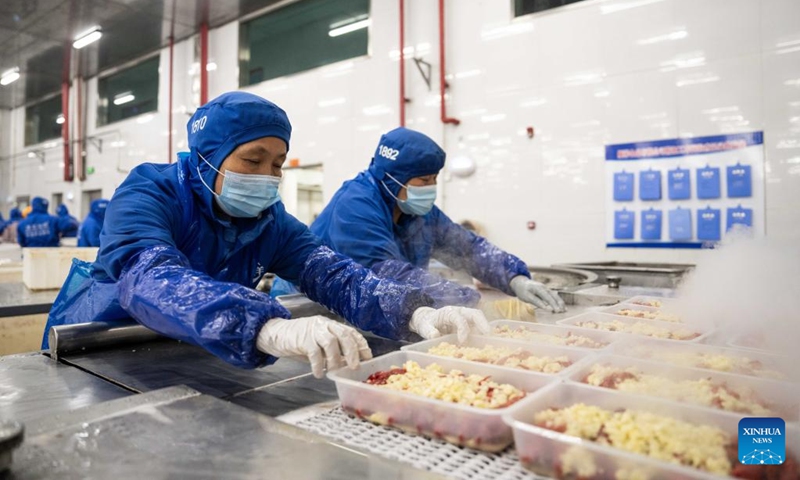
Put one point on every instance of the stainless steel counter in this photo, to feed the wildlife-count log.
(180, 433)
(16, 300)
(33, 385)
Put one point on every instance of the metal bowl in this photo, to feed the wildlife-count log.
(561, 278)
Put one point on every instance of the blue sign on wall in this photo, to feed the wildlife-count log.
(623, 224)
(708, 184)
(740, 182)
(651, 224)
(679, 184)
(739, 216)
(680, 224)
(650, 185)
(623, 187)
(708, 224)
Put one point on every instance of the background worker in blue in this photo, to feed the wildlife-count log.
(39, 228)
(89, 233)
(385, 219)
(184, 245)
(10, 231)
(67, 224)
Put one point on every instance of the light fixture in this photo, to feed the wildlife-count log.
(123, 98)
(60, 119)
(9, 76)
(350, 27)
(89, 36)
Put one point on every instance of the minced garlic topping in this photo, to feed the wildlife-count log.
(660, 437)
(657, 315)
(648, 303)
(702, 392)
(639, 328)
(710, 361)
(453, 386)
(568, 338)
(504, 356)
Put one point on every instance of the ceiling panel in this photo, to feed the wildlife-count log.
(33, 35)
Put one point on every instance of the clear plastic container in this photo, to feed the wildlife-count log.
(550, 453)
(780, 398)
(665, 330)
(478, 428)
(662, 313)
(645, 301)
(598, 337)
(574, 355)
(709, 357)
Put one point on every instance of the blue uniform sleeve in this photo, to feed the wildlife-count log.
(443, 292)
(371, 303)
(162, 292)
(362, 232)
(461, 249)
(296, 244)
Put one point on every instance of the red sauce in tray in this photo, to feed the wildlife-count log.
(380, 378)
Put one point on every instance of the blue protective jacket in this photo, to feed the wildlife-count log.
(39, 228)
(67, 224)
(358, 222)
(89, 232)
(172, 262)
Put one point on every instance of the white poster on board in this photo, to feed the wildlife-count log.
(684, 192)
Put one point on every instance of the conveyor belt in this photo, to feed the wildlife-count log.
(432, 455)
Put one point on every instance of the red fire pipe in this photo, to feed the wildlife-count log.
(402, 64)
(81, 158)
(65, 130)
(169, 110)
(203, 62)
(442, 82)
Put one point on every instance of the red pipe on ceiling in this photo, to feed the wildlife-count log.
(80, 156)
(169, 110)
(402, 64)
(203, 63)
(65, 78)
(442, 83)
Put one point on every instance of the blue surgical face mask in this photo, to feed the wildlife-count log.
(419, 200)
(244, 195)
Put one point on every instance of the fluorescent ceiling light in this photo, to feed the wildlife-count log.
(352, 27)
(9, 76)
(60, 119)
(89, 36)
(123, 98)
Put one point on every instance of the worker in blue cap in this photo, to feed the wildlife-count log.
(89, 233)
(39, 228)
(67, 224)
(385, 219)
(184, 245)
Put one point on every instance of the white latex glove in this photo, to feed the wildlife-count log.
(431, 323)
(537, 294)
(326, 343)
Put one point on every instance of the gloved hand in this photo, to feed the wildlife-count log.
(431, 323)
(321, 339)
(534, 292)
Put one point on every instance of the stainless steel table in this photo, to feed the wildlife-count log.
(33, 386)
(180, 433)
(17, 300)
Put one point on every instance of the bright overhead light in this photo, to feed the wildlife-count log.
(9, 76)
(60, 119)
(89, 36)
(123, 98)
(351, 27)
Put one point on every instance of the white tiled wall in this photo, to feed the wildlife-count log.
(583, 76)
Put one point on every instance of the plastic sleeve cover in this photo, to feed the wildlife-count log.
(163, 293)
(379, 305)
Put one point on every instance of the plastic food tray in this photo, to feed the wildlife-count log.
(575, 355)
(478, 428)
(780, 397)
(605, 317)
(612, 310)
(559, 330)
(666, 302)
(681, 354)
(550, 453)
